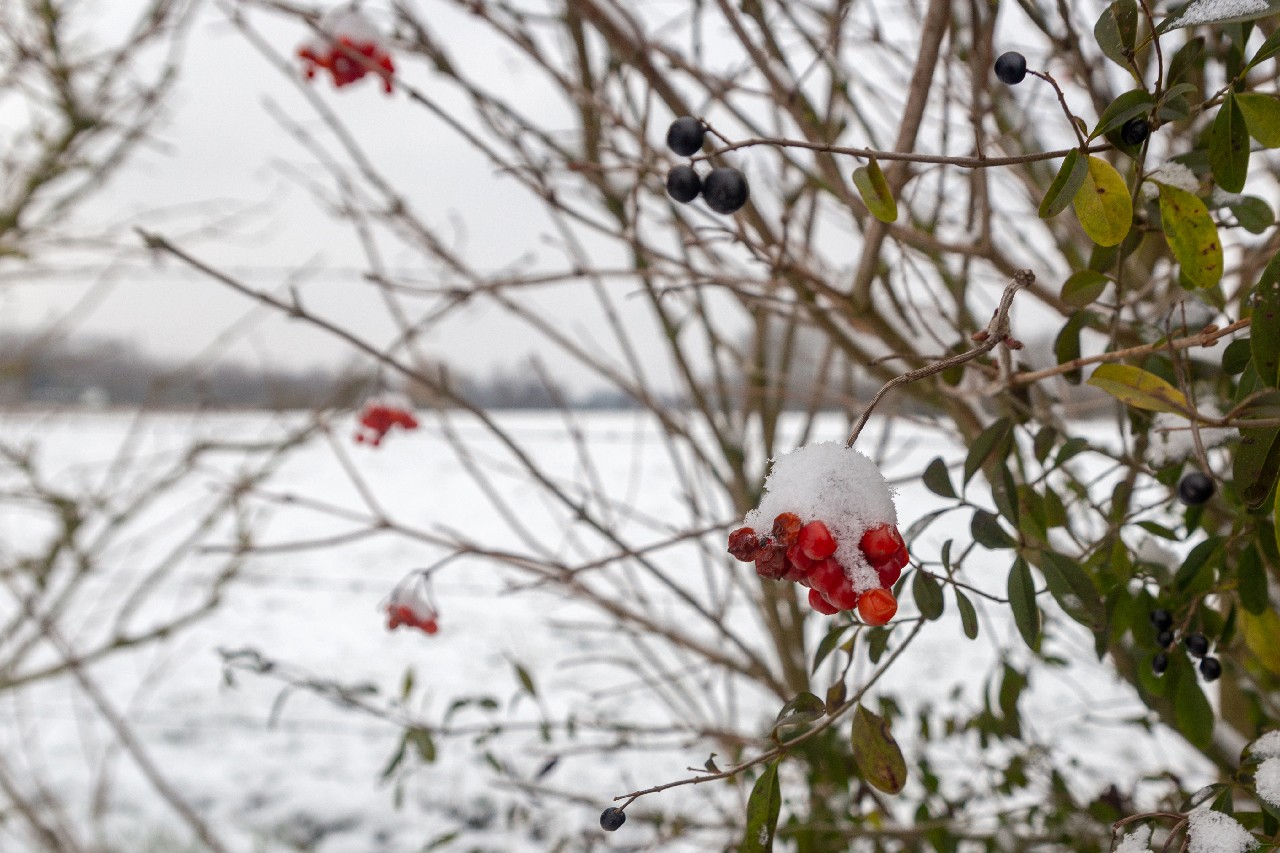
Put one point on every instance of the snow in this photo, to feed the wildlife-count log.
(1171, 174)
(837, 485)
(1172, 441)
(1214, 832)
(1267, 746)
(1136, 841)
(1267, 781)
(1211, 11)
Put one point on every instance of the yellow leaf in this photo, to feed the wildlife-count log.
(1138, 388)
(1191, 235)
(1103, 205)
(1262, 636)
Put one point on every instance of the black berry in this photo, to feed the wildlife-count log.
(1164, 639)
(612, 818)
(1161, 619)
(1210, 668)
(685, 136)
(1011, 67)
(1195, 489)
(1197, 644)
(725, 190)
(1133, 131)
(683, 184)
(1159, 663)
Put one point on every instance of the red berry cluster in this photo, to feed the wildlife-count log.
(347, 59)
(805, 554)
(404, 614)
(411, 604)
(377, 419)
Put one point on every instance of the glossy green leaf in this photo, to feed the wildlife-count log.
(1131, 104)
(1103, 204)
(1252, 213)
(1191, 235)
(803, 709)
(987, 532)
(991, 441)
(928, 595)
(1138, 388)
(968, 616)
(1264, 342)
(879, 759)
(874, 189)
(1251, 582)
(763, 807)
(1022, 599)
(1184, 59)
(1261, 116)
(1070, 177)
(1196, 571)
(937, 480)
(1269, 49)
(1256, 465)
(1217, 12)
(1083, 287)
(1066, 346)
(1191, 708)
(1117, 32)
(1229, 146)
(828, 644)
(1073, 589)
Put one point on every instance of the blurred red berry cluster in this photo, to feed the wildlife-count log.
(351, 50)
(805, 554)
(410, 604)
(378, 417)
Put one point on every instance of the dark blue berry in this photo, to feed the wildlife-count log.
(1011, 68)
(685, 136)
(1159, 663)
(612, 818)
(683, 184)
(1134, 131)
(1210, 668)
(1164, 639)
(1195, 489)
(1197, 644)
(1161, 619)
(725, 190)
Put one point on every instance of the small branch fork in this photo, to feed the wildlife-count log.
(997, 332)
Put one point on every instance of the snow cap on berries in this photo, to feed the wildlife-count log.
(837, 485)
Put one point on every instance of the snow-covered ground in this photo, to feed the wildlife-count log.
(281, 771)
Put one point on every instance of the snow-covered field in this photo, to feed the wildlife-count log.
(283, 771)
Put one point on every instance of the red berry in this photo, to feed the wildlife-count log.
(744, 544)
(771, 562)
(877, 606)
(796, 557)
(845, 597)
(889, 574)
(429, 625)
(827, 577)
(818, 603)
(816, 541)
(880, 543)
(786, 527)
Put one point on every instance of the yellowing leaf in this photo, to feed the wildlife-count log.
(1103, 205)
(1138, 388)
(874, 189)
(876, 753)
(1262, 636)
(1191, 235)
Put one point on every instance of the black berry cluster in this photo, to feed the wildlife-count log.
(1196, 644)
(725, 189)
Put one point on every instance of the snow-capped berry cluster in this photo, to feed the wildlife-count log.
(411, 604)
(379, 415)
(833, 530)
(350, 49)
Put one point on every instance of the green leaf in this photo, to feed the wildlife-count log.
(1251, 582)
(879, 759)
(1252, 213)
(1262, 637)
(937, 480)
(874, 189)
(828, 644)
(1103, 205)
(526, 680)
(1066, 346)
(1138, 388)
(1065, 184)
(763, 807)
(968, 616)
(1191, 235)
(1236, 356)
(1083, 287)
(1262, 116)
(1131, 104)
(1191, 709)
(801, 710)
(1184, 59)
(1256, 465)
(987, 532)
(928, 595)
(1192, 574)
(1073, 589)
(1269, 49)
(1022, 599)
(1215, 12)
(1117, 31)
(1229, 146)
(992, 440)
(420, 740)
(1265, 332)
